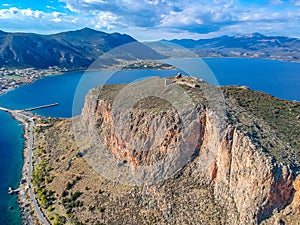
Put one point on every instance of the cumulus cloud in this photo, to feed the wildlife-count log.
(277, 2)
(15, 19)
(107, 20)
(176, 13)
(296, 2)
(149, 13)
(164, 18)
(50, 7)
(14, 13)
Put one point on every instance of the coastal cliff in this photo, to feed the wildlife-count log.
(172, 160)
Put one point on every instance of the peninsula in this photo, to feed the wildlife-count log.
(228, 160)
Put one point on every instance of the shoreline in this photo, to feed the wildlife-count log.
(61, 71)
(122, 67)
(23, 199)
(26, 199)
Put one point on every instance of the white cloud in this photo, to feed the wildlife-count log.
(23, 14)
(106, 20)
(297, 2)
(15, 12)
(56, 14)
(15, 19)
(150, 34)
(50, 7)
(56, 20)
(162, 18)
(276, 2)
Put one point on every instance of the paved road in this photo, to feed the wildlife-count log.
(34, 201)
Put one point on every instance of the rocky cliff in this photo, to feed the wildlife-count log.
(189, 163)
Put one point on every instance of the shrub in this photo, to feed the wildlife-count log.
(59, 220)
(69, 186)
(76, 195)
(64, 193)
(50, 208)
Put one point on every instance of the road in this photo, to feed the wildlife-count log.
(30, 121)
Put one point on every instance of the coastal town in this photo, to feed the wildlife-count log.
(11, 78)
(14, 78)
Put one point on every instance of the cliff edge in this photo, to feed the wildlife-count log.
(175, 151)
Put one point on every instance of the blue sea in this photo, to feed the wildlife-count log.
(281, 79)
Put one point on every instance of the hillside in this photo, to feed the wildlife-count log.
(249, 46)
(214, 156)
(73, 49)
(79, 49)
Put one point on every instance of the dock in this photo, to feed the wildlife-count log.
(4, 109)
(40, 107)
(12, 191)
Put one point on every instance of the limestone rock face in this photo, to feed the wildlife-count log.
(162, 147)
(296, 201)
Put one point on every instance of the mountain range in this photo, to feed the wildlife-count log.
(73, 49)
(253, 45)
(81, 48)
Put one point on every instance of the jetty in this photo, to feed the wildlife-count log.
(12, 191)
(4, 109)
(40, 107)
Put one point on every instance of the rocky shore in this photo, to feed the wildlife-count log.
(23, 196)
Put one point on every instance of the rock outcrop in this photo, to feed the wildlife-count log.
(248, 183)
(188, 163)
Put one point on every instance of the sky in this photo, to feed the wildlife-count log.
(154, 19)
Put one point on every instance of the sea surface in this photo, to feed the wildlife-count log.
(281, 79)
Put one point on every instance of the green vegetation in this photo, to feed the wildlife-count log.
(71, 202)
(51, 208)
(76, 195)
(148, 65)
(74, 220)
(40, 177)
(59, 220)
(280, 120)
(153, 105)
(91, 208)
(64, 193)
(70, 185)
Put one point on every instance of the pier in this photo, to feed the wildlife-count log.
(12, 191)
(4, 109)
(40, 107)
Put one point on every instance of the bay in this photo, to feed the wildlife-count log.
(278, 78)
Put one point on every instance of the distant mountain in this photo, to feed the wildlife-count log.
(73, 49)
(80, 48)
(253, 45)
